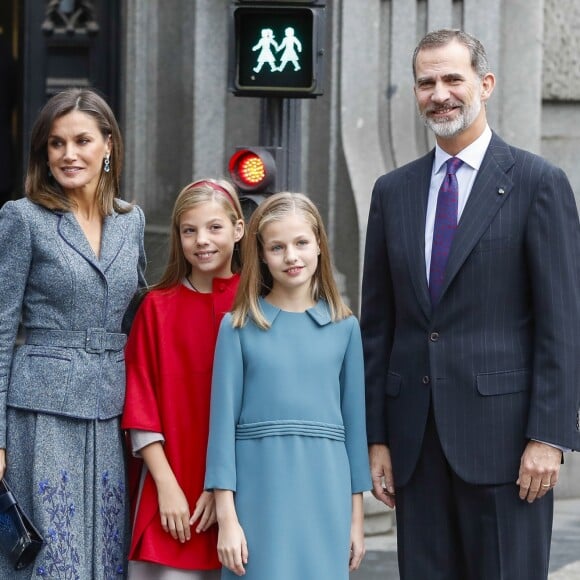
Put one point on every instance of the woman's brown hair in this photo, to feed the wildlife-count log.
(44, 190)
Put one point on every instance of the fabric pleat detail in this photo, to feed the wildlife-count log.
(289, 427)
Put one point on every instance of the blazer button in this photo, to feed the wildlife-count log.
(426, 380)
(434, 337)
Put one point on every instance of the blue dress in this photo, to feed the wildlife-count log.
(287, 435)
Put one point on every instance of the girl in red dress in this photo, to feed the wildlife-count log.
(169, 359)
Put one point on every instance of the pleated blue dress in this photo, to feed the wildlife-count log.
(287, 435)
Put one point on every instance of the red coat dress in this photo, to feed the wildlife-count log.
(169, 359)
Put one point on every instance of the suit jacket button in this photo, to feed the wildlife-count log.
(434, 337)
(426, 380)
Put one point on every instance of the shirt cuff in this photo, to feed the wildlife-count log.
(562, 449)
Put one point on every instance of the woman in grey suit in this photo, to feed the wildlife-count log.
(72, 260)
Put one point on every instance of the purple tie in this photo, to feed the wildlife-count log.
(444, 229)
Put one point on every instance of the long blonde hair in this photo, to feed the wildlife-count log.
(193, 195)
(256, 280)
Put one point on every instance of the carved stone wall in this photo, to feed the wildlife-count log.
(561, 51)
(561, 88)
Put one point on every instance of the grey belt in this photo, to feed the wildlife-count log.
(92, 340)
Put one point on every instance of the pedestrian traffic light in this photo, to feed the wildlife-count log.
(254, 171)
(277, 48)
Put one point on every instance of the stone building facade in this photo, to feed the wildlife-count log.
(180, 122)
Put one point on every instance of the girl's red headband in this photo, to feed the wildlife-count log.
(214, 186)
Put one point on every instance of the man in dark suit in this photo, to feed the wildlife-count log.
(471, 329)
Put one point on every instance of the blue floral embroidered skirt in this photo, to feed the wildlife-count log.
(69, 475)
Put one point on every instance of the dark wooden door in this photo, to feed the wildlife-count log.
(67, 43)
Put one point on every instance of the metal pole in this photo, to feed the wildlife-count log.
(280, 126)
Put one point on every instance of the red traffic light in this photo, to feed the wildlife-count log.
(252, 170)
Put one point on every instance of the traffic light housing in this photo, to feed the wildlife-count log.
(255, 171)
(277, 48)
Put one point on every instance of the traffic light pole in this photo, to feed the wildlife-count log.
(280, 127)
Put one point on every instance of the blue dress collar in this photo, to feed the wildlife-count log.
(320, 312)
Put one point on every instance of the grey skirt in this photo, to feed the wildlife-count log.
(69, 475)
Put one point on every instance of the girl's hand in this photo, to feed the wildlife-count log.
(357, 549)
(357, 533)
(232, 546)
(204, 512)
(174, 510)
(2, 462)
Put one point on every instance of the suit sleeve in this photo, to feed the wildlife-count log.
(377, 318)
(15, 264)
(353, 411)
(553, 242)
(226, 403)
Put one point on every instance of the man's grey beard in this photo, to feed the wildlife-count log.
(456, 126)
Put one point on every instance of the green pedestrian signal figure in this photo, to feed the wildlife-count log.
(266, 55)
(290, 44)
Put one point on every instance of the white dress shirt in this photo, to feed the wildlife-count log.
(472, 156)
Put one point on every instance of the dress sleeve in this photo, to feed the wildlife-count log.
(226, 403)
(141, 410)
(353, 411)
(15, 264)
(141, 438)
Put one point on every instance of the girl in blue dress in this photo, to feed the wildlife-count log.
(287, 455)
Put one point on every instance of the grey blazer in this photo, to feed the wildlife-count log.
(72, 306)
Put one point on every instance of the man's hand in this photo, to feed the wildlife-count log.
(382, 474)
(539, 470)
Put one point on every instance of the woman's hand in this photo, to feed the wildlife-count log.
(2, 462)
(204, 512)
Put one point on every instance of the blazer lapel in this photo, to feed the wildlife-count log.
(71, 232)
(491, 188)
(415, 211)
(113, 238)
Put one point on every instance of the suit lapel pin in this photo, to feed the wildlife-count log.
(501, 191)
